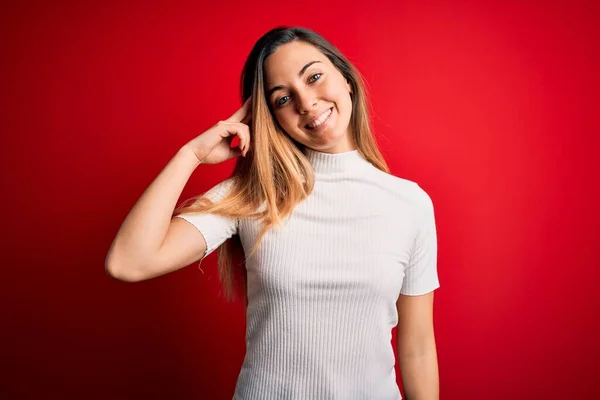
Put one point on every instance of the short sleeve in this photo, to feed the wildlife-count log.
(215, 229)
(421, 275)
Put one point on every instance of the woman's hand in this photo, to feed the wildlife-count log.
(213, 146)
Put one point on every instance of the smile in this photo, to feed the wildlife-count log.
(321, 120)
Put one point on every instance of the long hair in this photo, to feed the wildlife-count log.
(275, 175)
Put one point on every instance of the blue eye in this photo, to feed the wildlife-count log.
(279, 102)
(312, 76)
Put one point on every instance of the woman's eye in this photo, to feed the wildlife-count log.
(280, 102)
(318, 75)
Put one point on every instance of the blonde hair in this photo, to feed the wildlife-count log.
(276, 175)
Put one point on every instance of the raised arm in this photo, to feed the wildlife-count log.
(150, 243)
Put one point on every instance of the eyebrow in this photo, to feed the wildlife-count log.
(279, 87)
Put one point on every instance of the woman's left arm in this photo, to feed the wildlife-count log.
(417, 355)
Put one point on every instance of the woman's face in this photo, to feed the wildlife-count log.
(309, 97)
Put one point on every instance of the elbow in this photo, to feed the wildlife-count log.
(417, 349)
(125, 272)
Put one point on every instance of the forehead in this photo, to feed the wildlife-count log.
(287, 61)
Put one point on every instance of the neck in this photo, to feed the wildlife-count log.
(331, 163)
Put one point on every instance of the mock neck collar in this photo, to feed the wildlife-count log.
(332, 163)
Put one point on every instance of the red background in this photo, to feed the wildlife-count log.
(492, 107)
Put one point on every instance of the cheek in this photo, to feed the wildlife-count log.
(339, 94)
(287, 119)
(343, 102)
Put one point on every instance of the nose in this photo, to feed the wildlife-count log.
(306, 102)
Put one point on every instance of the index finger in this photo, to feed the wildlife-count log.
(243, 112)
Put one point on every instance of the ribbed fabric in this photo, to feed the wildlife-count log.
(322, 288)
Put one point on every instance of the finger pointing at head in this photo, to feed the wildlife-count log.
(243, 113)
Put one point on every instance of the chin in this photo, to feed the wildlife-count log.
(328, 141)
(323, 140)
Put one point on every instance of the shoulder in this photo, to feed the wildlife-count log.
(406, 189)
(406, 197)
(220, 190)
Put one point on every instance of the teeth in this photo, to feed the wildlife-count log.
(321, 119)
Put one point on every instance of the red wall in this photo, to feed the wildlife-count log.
(491, 106)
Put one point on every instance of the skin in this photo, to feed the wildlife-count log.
(297, 99)
(416, 347)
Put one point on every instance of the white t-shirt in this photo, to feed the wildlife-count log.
(322, 288)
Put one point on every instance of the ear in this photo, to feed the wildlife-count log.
(349, 86)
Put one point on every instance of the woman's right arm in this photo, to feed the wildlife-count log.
(150, 243)
(137, 252)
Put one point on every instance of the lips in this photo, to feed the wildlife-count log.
(321, 118)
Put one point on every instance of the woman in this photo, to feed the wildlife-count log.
(334, 250)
